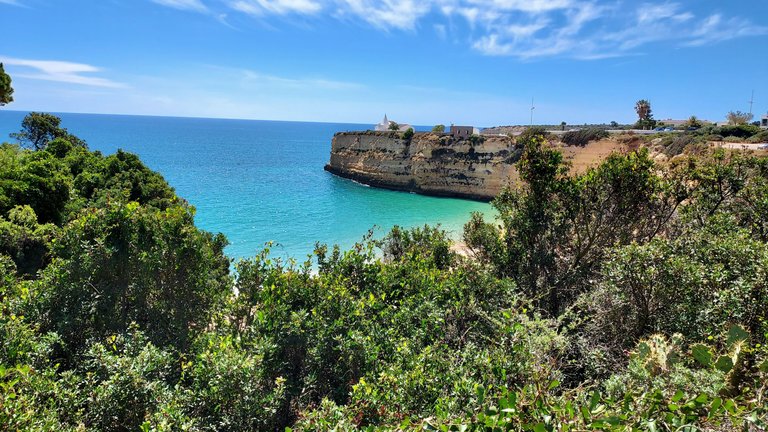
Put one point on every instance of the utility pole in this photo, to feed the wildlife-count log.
(751, 102)
(532, 108)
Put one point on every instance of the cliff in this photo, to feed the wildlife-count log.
(431, 164)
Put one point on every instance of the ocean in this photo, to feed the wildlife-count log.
(261, 181)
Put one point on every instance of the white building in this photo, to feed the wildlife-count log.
(385, 124)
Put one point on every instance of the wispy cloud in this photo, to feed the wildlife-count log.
(279, 7)
(387, 14)
(190, 5)
(251, 77)
(527, 29)
(717, 29)
(11, 2)
(60, 71)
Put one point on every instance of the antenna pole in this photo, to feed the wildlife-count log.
(751, 102)
(532, 108)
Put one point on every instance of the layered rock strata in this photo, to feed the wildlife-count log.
(477, 167)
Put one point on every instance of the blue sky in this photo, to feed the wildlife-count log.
(423, 62)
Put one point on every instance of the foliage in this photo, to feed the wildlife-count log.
(427, 243)
(644, 115)
(128, 378)
(738, 117)
(393, 126)
(760, 137)
(439, 128)
(695, 286)
(35, 179)
(582, 137)
(556, 229)
(38, 129)
(739, 130)
(693, 122)
(6, 91)
(230, 388)
(125, 264)
(24, 240)
(676, 144)
(529, 133)
(408, 134)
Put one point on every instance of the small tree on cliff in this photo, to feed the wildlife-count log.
(393, 126)
(6, 91)
(38, 129)
(439, 128)
(644, 114)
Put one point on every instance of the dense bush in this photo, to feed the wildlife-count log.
(739, 131)
(676, 144)
(582, 137)
(126, 264)
(761, 137)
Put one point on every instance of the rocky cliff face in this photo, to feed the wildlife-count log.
(432, 164)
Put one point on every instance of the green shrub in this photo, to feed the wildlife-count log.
(760, 137)
(126, 264)
(695, 285)
(677, 143)
(582, 137)
(739, 131)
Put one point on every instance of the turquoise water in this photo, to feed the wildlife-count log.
(261, 181)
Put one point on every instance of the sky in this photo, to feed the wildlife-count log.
(424, 62)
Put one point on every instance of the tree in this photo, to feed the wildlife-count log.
(644, 114)
(393, 126)
(439, 128)
(38, 129)
(614, 124)
(562, 125)
(694, 122)
(6, 91)
(738, 117)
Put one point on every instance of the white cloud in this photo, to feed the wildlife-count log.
(581, 29)
(531, 6)
(10, 2)
(279, 7)
(386, 14)
(715, 29)
(190, 5)
(587, 30)
(60, 71)
(253, 78)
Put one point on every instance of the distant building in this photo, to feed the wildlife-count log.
(463, 131)
(764, 122)
(386, 123)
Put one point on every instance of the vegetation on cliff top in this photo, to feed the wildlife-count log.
(630, 297)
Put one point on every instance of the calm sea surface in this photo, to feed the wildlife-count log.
(260, 181)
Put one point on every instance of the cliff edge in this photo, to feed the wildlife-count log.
(477, 167)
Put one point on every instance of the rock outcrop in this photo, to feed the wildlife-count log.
(477, 167)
